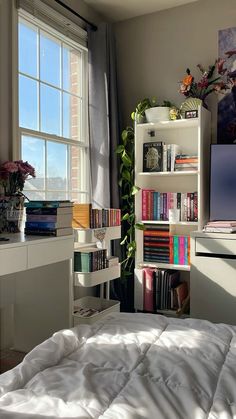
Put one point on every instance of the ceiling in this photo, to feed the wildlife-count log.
(117, 10)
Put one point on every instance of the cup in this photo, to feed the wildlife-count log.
(174, 215)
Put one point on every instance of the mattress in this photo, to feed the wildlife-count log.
(128, 366)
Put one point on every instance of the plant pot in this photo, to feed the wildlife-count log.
(157, 114)
(11, 213)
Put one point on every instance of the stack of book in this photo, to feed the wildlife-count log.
(156, 205)
(49, 218)
(90, 259)
(187, 162)
(84, 216)
(180, 250)
(159, 157)
(220, 227)
(162, 290)
(156, 243)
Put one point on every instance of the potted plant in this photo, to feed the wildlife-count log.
(151, 111)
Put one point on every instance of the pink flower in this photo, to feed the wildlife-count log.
(10, 166)
(14, 174)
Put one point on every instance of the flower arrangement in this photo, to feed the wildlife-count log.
(208, 83)
(13, 175)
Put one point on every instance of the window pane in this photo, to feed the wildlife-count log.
(50, 105)
(77, 169)
(71, 70)
(50, 62)
(28, 103)
(28, 44)
(33, 151)
(71, 116)
(57, 195)
(57, 166)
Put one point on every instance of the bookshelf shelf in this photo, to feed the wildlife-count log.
(163, 266)
(183, 223)
(169, 174)
(178, 124)
(91, 235)
(91, 279)
(83, 282)
(168, 190)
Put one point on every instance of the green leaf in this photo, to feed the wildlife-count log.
(124, 135)
(120, 182)
(125, 217)
(126, 159)
(140, 226)
(124, 240)
(135, 189)
(126, 175)
(119, 149)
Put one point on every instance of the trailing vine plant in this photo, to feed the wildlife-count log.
(128, 190)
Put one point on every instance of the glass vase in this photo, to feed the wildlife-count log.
(11, 213)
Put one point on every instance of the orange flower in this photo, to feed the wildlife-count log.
(187, 80)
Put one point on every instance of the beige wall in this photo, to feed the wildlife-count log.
(153, 51)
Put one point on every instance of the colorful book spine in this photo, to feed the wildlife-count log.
(176, 250)
(149, 290)
(181, 250)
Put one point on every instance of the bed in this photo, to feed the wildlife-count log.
(128, 366)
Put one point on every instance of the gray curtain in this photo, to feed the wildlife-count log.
(103, 117)
(104, 130)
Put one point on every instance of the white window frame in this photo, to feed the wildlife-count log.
(20, 131)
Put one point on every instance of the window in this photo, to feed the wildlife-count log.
(52, 72)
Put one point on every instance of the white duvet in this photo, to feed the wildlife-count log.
(130, 366)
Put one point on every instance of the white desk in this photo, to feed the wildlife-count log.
(213, 277)
(36, 279)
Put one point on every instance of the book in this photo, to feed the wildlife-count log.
(82, 215)
(49, 204)
(89, 259)
(48, 224)
(65, 220)
(182, 293)
(221, 224)
(219, 229)
(67, 231)
(112, 261)
(49, 211)
(149, 290)
(152, 157)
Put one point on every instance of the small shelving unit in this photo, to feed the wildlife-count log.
(86, 238)
(193, 138)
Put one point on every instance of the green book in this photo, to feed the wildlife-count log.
(83, 260)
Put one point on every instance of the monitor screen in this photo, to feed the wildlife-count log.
(223, 182)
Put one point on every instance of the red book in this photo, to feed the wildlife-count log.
(156, 233)
(171, 249)
(145, 203)
(181, 250)
(149, 289)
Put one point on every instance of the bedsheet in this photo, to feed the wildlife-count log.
(128, 366)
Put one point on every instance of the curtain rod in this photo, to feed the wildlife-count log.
(94, 27)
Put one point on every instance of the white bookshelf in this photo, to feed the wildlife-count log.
(193, 137)
(87, 238)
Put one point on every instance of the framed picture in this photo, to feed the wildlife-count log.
(191, 114)
(226, 127)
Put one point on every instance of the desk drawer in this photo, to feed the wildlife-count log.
(215, 246)
(40, 254)
(13, 260)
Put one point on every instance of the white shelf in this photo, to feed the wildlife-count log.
(181, 223)
(141, 265)
(90, 235)
(90, 279)
(104, 306)
(179, 123)
(175, 173)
